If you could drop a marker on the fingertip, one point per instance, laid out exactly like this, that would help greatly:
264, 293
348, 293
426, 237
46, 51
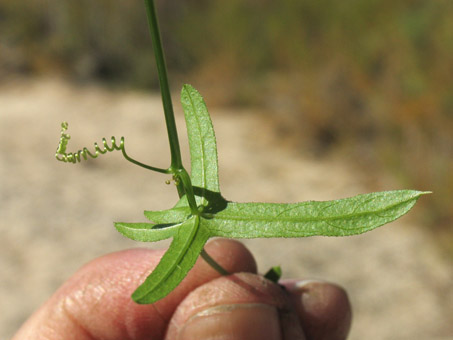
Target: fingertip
324, 309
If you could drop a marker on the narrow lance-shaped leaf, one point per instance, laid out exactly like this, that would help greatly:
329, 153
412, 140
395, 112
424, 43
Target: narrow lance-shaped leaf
202, 141
188, 241
349, 216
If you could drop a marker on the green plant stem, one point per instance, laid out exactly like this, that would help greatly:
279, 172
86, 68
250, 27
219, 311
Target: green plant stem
176, 161
176, 167
187, 185
213, 263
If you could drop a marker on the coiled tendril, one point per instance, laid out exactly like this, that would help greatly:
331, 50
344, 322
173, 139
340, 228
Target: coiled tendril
76, 157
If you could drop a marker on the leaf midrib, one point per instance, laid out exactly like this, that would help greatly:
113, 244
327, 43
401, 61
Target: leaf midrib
178, 259
222, 216
203, 151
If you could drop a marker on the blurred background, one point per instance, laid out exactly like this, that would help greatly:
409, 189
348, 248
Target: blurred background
369, 78
367, 84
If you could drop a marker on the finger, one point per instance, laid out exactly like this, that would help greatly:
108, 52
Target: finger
96, 304
240, 306
323, 308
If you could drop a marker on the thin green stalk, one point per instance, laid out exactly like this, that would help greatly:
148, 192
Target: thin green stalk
186, 183
149, 167
213, 263
176, 167
176, 161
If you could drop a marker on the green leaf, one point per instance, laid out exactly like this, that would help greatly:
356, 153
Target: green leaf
215, 216
274, 274
173, 215
147, 232
202, 143
180, 257
342, 217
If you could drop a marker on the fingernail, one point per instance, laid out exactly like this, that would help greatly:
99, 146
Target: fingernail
319, 297
233, 322
299, 286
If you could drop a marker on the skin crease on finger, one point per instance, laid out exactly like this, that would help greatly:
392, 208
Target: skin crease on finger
95, 303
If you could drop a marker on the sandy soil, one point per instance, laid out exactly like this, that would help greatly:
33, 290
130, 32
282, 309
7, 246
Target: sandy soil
55, 217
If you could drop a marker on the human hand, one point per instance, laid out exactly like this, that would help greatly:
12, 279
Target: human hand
95, 303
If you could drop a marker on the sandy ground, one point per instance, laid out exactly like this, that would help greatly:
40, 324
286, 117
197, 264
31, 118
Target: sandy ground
55, 217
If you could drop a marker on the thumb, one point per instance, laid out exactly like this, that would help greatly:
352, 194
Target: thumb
240, 306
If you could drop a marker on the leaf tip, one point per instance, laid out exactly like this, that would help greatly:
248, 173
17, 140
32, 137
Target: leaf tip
417, 194
421, 193
139, 298
142, 300
187, 87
